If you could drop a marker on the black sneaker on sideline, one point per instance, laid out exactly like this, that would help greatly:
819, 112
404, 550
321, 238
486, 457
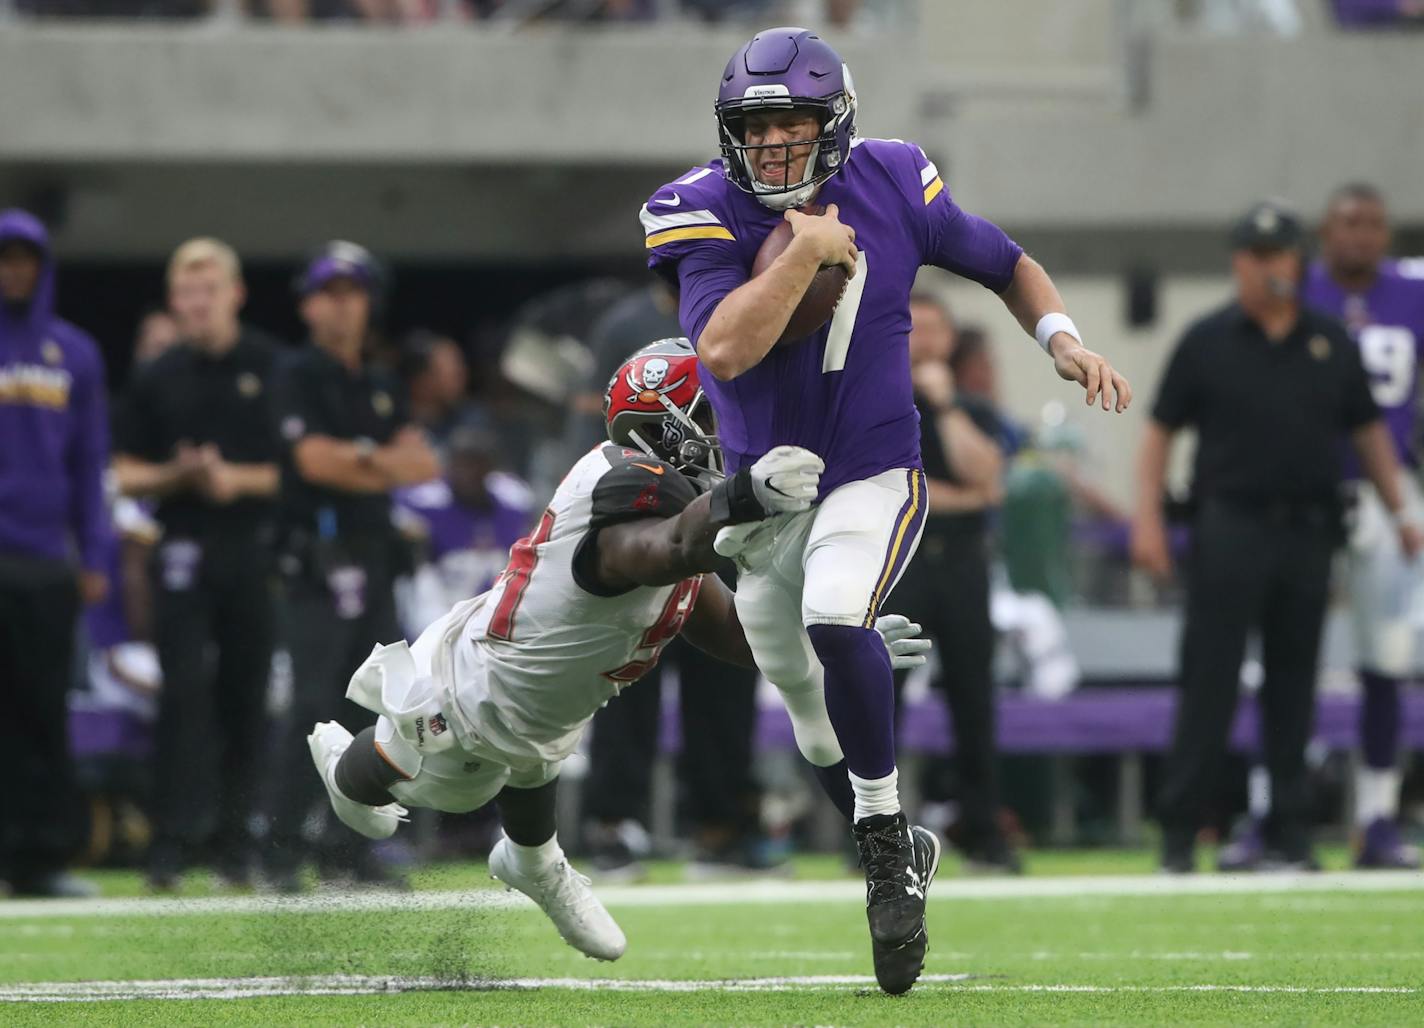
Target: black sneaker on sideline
900, 861
1279, 860
283, 881
53, 885
615, 850
1179, 855
993, 857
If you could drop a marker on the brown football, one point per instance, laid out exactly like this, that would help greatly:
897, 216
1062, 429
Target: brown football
821, 296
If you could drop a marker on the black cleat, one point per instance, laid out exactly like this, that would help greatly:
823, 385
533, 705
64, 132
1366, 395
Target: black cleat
53, 885
900, 861
994, 857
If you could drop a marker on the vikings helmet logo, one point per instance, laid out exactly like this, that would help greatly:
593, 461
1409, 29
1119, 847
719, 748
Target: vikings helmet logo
654, 384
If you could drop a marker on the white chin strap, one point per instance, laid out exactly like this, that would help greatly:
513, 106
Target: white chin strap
785, 201
779, 201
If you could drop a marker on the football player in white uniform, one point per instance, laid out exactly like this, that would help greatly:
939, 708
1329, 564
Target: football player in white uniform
495, 695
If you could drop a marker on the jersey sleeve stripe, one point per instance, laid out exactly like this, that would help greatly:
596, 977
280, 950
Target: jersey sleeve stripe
678, 234
675, 219
928, 174
933, 189
696, 176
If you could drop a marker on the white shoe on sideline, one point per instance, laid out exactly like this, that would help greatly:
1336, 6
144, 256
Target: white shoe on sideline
328, 741
566, 897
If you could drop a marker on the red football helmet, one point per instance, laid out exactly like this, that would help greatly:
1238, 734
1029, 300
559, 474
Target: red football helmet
655, 403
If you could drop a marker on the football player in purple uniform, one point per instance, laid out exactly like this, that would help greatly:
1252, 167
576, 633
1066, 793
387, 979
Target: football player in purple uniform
786, 114
1382, 303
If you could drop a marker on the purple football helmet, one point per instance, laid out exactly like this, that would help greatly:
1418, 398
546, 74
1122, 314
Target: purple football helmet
781, 69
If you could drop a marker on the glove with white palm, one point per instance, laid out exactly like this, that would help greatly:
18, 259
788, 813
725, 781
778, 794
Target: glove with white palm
784, 481
902, 641
748, 545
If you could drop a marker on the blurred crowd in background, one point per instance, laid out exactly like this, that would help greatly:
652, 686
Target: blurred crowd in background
837, 13
1281, 16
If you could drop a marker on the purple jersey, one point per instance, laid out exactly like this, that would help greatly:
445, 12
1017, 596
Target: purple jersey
469, 547
1387, 321
843, 393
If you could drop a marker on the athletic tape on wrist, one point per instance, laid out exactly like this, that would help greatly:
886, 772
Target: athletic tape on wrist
734, 500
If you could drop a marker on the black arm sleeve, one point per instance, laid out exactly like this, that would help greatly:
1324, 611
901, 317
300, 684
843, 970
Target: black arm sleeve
265, 444
137, 432
295, 411
1179, 392
640, 487
1358, 407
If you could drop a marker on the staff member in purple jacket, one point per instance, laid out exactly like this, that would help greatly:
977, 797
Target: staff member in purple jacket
54, 444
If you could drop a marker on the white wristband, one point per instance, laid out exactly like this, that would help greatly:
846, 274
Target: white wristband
1050, 325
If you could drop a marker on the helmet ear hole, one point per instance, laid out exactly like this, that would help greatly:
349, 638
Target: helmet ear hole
641, 438
704, 418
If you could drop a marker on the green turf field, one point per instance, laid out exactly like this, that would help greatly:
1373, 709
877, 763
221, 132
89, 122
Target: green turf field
1065, 945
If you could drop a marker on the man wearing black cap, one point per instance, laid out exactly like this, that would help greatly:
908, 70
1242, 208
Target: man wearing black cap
195, 434
348, 442
1270, 388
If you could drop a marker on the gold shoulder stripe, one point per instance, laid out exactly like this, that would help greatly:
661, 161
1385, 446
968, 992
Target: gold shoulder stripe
695, 232
932, 190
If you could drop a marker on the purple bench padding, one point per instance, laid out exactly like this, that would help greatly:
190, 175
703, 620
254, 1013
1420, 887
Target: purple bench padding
1091, 720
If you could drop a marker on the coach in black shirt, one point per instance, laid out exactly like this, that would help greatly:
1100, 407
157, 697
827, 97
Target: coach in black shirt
347, 443
946, 586
1271, 388
195, 433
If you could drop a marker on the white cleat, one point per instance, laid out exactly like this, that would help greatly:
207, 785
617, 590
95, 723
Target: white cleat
328, 741
565, 896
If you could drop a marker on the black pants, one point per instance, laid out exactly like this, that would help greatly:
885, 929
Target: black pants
327, 640
946, 590
214, 640
1249, 570
41, 821
718, 708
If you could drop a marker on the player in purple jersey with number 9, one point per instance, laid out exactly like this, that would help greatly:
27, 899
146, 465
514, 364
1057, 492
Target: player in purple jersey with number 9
812, 583
1382, 304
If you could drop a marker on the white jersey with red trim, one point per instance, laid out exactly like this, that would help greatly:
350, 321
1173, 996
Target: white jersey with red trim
545, 648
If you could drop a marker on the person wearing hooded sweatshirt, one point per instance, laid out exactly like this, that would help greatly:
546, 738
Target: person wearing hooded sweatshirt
54, 446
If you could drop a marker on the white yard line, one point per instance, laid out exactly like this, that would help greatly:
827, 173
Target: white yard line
357, 985
761, 893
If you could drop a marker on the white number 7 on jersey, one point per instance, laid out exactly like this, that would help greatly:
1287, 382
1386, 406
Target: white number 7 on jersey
843, 321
